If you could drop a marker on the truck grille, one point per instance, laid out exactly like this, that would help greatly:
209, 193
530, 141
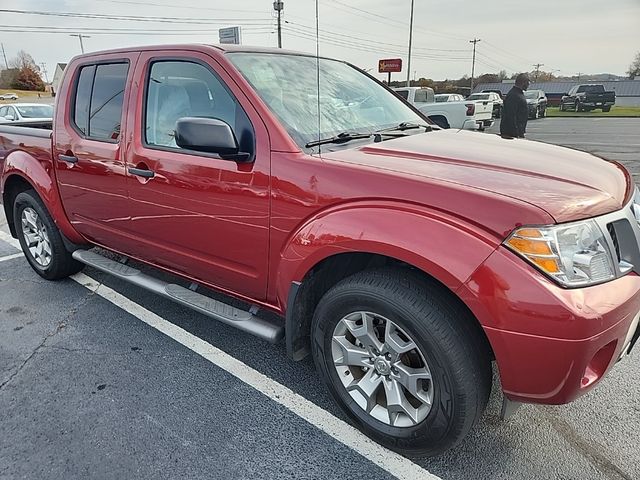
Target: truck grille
623, 235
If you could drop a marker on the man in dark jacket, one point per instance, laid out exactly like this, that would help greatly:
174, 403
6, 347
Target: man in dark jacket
514, 110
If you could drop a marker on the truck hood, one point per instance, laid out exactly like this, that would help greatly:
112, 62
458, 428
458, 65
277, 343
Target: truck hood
568, 184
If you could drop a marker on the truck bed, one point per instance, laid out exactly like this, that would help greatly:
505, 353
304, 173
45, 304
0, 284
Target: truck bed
34, 139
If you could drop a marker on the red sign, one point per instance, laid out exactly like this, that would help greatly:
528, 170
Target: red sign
390, 65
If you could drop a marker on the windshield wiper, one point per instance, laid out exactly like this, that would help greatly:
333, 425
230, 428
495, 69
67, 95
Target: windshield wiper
406, 126
343, 137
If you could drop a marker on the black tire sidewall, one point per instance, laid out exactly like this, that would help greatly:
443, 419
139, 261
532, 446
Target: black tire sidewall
61, 265
445, 424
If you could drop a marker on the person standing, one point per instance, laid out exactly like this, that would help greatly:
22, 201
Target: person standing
515, 112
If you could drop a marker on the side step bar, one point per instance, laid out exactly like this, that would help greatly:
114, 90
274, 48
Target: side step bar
210, 307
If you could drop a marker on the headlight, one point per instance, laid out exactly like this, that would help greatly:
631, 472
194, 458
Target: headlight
575, 255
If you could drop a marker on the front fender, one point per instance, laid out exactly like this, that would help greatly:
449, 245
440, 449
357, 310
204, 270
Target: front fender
37, 170
445, 247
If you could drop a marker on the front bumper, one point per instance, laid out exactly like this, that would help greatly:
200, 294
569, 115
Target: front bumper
551, 344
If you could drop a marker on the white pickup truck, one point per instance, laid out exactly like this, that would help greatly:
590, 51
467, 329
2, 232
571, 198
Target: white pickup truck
470, 115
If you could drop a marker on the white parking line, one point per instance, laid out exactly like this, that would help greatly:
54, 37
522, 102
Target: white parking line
10, 240
10, 257
392, 462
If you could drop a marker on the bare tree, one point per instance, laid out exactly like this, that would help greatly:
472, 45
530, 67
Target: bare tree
24, 60
634, 68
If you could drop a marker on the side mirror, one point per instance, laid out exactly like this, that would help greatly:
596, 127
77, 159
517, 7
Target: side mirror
209, 135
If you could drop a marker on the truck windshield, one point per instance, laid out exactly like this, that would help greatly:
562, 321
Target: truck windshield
349, 100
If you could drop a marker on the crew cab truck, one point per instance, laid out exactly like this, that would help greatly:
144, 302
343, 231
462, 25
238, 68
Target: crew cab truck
403, 257
587, 97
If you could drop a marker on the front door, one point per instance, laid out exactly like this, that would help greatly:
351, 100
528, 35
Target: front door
88, 147
191, 212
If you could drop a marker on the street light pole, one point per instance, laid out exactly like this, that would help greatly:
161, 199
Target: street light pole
473, 62
80, 37
278, 6
410, 41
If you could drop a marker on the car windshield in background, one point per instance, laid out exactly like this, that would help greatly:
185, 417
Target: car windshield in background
36, 111
531, 94
478, 97
350, 101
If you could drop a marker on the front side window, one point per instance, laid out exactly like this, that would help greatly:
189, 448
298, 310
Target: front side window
178, 89
348, 100
97, 109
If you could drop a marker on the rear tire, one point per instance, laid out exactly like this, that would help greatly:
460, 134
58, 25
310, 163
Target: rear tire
576, 107
40, 238
419, 313
562, 107
606, 109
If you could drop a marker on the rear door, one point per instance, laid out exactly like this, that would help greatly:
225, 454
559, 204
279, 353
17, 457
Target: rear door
198, 215
88, 146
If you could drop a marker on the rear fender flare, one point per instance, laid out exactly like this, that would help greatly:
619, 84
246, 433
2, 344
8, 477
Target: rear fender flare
39, 174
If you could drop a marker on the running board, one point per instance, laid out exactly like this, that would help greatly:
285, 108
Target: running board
240, 319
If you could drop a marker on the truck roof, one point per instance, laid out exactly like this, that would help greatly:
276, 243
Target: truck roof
198, 46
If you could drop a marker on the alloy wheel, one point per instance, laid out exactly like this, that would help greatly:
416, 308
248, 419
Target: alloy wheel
36, 237
382, 369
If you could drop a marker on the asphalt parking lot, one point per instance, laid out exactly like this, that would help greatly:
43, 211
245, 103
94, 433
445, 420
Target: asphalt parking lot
99, 379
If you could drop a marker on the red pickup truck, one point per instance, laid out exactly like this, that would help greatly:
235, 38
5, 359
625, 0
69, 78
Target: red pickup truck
405, 258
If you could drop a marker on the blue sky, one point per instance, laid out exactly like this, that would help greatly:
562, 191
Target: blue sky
568, 36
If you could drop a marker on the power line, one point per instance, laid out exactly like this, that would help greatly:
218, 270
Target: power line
378, 43
135, 18
133, 32
366, 48
97, 30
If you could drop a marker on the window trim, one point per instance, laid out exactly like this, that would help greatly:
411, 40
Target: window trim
76, 81
145, 94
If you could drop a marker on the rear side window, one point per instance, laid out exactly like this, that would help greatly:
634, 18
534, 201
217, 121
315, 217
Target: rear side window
98, 101
83, 98
403, 93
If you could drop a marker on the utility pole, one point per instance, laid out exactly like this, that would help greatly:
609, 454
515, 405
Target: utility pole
537, 65
80, 37
579, 74
410, 41
278, 6
473, 62
44, 70
6, 64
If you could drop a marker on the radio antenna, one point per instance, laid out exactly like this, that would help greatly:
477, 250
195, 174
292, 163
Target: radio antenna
318, 67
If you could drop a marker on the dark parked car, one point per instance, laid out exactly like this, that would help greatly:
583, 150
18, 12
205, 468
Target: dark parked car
584, 98
537, 103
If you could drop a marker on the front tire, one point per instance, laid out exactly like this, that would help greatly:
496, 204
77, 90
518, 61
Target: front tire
402, 359
40, 239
